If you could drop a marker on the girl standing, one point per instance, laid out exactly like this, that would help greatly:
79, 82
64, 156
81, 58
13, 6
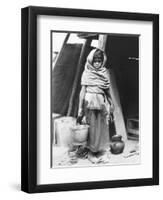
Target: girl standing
95, 103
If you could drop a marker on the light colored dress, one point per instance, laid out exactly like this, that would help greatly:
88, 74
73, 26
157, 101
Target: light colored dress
96, 112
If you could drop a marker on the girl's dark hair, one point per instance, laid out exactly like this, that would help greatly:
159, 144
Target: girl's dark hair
98, 54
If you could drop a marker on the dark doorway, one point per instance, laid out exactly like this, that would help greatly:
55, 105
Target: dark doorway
123, 58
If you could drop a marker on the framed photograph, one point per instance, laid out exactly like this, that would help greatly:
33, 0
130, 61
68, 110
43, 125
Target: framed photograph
90, 99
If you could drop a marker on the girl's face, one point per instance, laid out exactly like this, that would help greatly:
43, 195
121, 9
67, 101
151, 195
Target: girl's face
97, 63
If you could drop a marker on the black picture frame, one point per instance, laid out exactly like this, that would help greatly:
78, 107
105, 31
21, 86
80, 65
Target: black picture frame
29, 98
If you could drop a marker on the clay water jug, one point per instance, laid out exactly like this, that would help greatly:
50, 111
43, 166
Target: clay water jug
117, 145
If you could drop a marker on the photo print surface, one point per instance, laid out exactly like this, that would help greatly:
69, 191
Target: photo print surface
94, 99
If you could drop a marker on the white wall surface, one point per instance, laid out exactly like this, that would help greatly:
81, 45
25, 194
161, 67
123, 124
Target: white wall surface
10, 86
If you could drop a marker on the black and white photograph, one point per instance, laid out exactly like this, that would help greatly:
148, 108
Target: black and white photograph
90, 114
94, 99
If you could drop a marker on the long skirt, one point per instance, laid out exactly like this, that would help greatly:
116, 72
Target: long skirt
98, 137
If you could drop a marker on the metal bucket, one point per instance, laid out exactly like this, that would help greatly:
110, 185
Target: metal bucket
80, 133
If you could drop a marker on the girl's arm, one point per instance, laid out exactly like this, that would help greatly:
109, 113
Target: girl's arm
81, 100
108, 95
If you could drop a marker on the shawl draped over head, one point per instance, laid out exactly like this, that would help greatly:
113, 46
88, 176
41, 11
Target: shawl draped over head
95, 77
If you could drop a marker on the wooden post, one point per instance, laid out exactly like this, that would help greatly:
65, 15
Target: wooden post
102, 42
118, 114
78, 71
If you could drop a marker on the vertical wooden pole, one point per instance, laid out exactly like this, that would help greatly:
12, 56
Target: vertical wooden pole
102, 41
118, 114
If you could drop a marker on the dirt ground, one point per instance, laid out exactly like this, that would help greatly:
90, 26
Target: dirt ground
60, 157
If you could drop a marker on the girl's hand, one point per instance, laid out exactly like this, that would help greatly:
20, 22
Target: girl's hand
112, 108
79, 120
80, 116
111, 117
